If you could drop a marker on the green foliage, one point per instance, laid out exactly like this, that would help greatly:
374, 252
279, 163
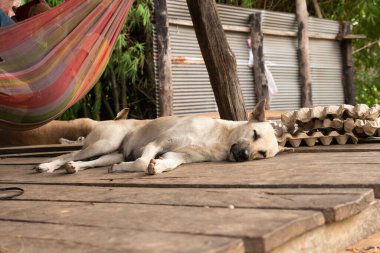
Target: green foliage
367, 54
54, 2
365, 17
128, 79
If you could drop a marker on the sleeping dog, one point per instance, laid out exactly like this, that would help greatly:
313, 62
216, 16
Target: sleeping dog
156, 146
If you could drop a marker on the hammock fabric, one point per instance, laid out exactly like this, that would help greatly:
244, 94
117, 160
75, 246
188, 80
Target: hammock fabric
50, 61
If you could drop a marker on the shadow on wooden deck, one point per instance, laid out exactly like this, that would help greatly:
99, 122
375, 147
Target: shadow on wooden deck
318, 199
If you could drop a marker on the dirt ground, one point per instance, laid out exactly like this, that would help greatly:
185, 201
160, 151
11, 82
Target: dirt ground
368, 245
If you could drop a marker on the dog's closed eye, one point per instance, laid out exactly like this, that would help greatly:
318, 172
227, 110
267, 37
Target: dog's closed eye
263, 153
255, 135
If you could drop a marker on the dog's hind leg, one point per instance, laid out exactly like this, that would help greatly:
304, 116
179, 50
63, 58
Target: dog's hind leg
167, 161
105, 160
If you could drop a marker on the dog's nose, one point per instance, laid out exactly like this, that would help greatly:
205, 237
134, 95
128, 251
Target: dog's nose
240, 153
243, 155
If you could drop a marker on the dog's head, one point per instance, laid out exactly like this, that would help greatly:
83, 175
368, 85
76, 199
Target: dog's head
254, 140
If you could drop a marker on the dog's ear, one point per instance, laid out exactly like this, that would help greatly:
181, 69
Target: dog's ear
123, 114
258, 114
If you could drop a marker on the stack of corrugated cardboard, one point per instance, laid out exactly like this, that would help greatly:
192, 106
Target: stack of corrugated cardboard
327, 124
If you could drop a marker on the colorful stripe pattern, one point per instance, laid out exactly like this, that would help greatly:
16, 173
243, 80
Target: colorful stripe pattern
50, 61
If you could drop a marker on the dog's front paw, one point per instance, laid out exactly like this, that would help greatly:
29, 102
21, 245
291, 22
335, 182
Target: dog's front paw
43, 167
152, 167
71, 167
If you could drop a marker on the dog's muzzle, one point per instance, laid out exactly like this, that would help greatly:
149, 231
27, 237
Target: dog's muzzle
239, 153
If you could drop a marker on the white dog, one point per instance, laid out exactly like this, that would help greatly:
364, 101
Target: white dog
155, 146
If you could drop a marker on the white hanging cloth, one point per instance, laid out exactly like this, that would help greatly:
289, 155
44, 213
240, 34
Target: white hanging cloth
272, 87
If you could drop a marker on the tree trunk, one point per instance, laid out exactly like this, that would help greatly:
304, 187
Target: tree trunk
219, 59
303, 53
164, 64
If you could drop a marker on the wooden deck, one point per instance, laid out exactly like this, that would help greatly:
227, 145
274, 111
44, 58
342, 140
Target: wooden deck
319, 199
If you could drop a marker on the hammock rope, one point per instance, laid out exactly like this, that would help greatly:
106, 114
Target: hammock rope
50, 61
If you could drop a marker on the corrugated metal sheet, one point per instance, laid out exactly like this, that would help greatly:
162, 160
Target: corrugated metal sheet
191, 86
281, 59
318, 25
279, 21
229, 15
326, 70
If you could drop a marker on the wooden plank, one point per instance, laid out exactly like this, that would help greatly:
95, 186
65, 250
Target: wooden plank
314, 35
38, 148
294, 170
339, 148
262, 230
336, 169
245, 29
38, 154
42, 237
323, 36
233, 28
34, 154
335, 204
354, 36
22, 161
337, 236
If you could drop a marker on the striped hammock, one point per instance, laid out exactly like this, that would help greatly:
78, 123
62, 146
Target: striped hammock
50, 61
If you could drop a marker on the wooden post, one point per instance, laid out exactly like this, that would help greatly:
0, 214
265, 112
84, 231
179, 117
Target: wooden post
257, 38
348, 65
219, 59
303, 53
164, 66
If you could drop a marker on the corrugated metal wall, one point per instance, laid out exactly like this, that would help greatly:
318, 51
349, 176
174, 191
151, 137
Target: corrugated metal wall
326, 64
192, 92
191, 86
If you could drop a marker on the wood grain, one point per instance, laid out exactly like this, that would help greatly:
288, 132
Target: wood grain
43, 237
335, 204
261, 230
294, 170
256, 206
